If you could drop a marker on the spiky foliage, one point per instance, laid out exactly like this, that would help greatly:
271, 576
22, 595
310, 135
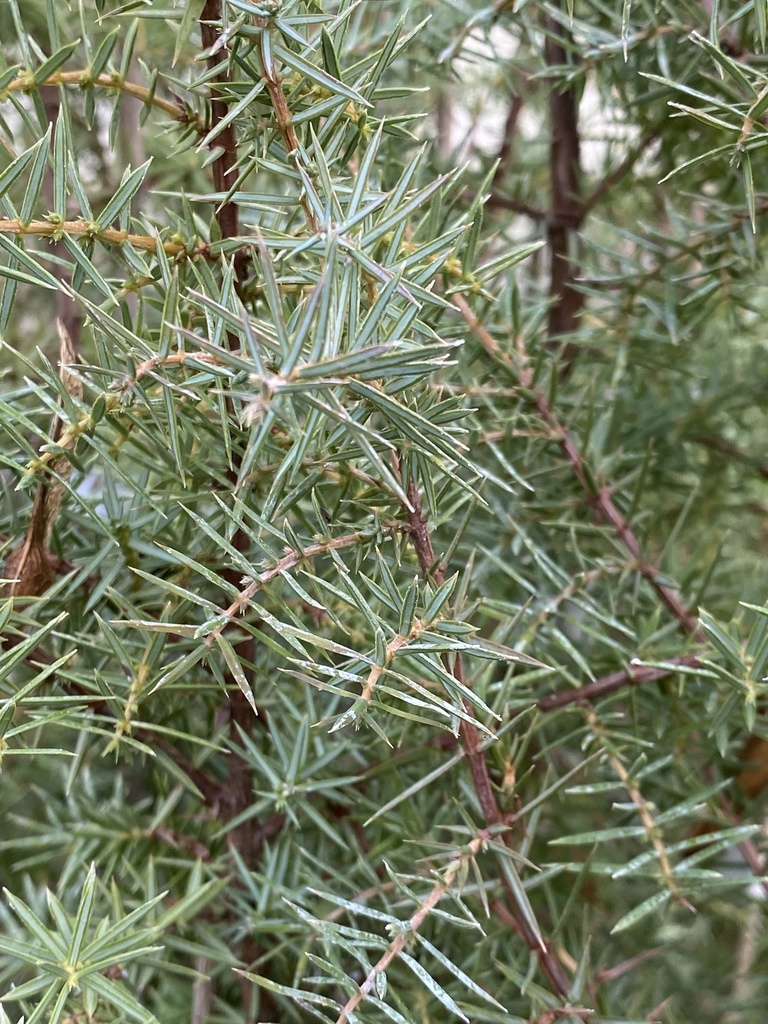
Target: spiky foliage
354, 662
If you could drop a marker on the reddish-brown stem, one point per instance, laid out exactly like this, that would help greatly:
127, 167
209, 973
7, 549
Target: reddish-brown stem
227, 215
288, 561
180, 841
755, 860
239, 712
602, 501
420, 535
507, 145
606, 511
502, 202
470, 740
288, 132
612, 178
615, 681
600, 496
566, 210
731, 452
247, 837
417, 919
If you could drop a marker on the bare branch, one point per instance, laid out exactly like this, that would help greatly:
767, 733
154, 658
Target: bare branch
223, 166
613, 682
566, 211
618, 173
507, 145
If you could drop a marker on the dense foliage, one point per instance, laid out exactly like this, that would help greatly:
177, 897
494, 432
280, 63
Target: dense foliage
383, 510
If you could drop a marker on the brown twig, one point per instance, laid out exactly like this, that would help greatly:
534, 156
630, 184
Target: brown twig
600, 496
238, 708
417, 919
566, 210
285, 125
730, 451
443, 124
644, 811
29, 565
615, 681
619, 172
502, 202
227, 215
603, 503
471, 742
180, 841
87, 229
506, 150
84, 80
608, 974
288, 561
754, 859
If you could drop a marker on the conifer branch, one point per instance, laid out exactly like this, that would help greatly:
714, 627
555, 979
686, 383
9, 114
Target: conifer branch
83, 79
55, 228
471, 741
416, 920
600, 496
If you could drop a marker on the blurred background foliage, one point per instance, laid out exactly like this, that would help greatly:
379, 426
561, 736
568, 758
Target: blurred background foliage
384, 487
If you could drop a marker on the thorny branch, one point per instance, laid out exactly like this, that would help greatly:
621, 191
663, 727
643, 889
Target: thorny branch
643, 810
612, 178
415, 922
631, 676
288, 561
472, 744
239, 706
283, 116
84, 80
601, 499
87, 229
29, 565
417, 919
600, 496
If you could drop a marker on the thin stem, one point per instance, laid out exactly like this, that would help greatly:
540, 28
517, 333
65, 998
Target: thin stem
615, 681
227, 215
89, 229
600, 496
505, 153
643, 809
29, 565
471, 741
566, 211
730, 451
284, 120
415, 922
502, 202
618, 173
84, 80
289, 561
